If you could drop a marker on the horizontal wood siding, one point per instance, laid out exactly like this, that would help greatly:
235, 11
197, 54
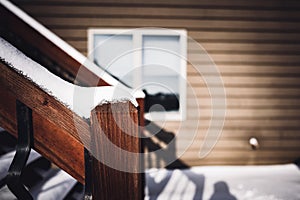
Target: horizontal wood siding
255, 45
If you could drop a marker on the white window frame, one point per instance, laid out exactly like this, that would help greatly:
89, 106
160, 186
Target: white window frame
137, 35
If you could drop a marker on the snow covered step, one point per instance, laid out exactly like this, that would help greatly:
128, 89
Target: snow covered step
35, 172
77, 192
270, 182
5, 194
7, 158
56, 186
51, 183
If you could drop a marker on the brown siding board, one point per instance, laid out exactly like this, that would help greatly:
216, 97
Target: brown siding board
250, 103
236, 58
241, 47
242, 81
169, 23
250, 70
243, 144
274, 134
159, 12
246, 153
236, 161
267, 4
242, 125
218, 36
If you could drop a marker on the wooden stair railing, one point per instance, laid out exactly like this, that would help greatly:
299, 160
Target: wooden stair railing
13, 28
57, 137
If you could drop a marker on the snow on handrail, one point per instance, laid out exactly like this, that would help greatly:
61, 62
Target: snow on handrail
80, 100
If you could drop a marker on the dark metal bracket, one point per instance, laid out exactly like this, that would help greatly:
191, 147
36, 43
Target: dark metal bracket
24, 145
88, 175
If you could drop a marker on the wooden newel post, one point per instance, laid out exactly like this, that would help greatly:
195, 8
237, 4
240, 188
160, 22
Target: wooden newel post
115, 144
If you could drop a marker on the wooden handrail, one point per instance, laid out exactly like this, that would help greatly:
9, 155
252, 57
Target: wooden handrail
56, 136
53, 124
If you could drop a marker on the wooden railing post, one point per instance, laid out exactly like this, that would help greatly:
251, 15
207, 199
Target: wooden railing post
117, 122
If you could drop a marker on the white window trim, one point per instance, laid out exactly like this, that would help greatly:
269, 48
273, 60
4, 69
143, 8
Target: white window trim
137, 41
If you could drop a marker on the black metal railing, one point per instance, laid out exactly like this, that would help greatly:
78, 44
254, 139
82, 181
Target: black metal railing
24, 145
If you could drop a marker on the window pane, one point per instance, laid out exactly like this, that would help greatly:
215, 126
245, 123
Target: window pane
113, 53
161, 71
161, 55
161, 64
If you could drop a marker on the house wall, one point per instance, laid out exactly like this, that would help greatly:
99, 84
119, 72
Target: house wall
255, 45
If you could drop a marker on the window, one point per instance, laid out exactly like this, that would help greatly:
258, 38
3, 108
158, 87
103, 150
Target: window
153, 60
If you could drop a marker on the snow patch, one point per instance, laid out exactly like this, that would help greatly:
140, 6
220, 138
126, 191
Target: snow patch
269, 182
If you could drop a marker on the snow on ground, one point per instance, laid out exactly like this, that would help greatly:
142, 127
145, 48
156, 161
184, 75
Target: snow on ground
55, 188
273, 182
80, 99
6, 160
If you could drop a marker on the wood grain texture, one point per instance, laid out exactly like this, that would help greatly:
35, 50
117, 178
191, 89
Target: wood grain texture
141, 111
113, 121
55, 134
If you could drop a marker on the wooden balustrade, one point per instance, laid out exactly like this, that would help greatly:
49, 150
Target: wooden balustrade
56, 136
